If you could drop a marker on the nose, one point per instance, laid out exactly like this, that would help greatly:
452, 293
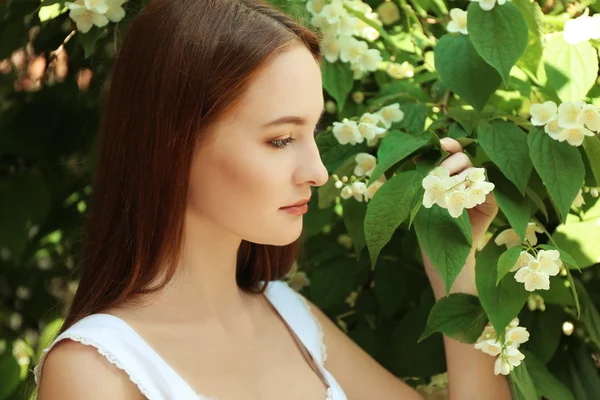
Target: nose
311, 168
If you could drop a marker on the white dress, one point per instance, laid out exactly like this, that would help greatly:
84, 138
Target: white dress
157, 380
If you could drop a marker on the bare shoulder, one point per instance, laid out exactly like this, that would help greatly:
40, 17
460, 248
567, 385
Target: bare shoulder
73, 370
359, 375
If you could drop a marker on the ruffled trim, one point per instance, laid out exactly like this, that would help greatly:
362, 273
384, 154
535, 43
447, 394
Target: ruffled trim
37, 371
323, 348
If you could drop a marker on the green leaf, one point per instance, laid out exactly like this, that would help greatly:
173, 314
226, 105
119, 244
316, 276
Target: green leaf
538, 202
415, 116
506, 145
501, 302
464, 71
507, 261
514, 206
333, 154
458, 316
88, 40
337, 81
393, 281
589, 313
499, 35
571, 69
545, 327
559, 165
533, 16
354, 217
24, 201
47, 336
395, 147
332, 282
467, 118
10, 372
521, 384
559, 293
390, 206
591, 145
444, 242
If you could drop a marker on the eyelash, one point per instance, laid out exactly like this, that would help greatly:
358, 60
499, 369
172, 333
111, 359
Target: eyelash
283, 143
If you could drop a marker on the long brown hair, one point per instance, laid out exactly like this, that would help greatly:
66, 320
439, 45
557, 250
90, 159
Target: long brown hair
182, 65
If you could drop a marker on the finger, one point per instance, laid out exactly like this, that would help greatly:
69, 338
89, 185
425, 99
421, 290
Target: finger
451, 145
457, 163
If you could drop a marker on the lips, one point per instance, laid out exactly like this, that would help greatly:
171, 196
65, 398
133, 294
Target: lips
298, 203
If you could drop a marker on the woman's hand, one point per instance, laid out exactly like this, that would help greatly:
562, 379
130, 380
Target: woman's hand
480, 217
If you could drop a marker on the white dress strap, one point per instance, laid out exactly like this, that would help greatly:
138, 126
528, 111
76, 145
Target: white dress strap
122, 347
296, 312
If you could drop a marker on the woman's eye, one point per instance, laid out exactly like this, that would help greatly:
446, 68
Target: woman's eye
282, 143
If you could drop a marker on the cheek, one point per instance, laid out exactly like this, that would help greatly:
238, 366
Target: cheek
237, 185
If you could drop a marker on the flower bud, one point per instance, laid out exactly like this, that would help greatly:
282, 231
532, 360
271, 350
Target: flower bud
330, 107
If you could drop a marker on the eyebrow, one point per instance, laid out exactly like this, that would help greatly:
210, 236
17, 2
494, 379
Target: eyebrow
291, 119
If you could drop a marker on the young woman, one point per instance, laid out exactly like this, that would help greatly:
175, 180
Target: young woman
207, 139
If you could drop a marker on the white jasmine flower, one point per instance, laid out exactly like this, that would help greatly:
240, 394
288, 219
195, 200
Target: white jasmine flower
388, 13
486, 5
346, 192
352, 49
536, 273
400, 71
574, 136
582, 28
370, 59
508, 354
516, 336
491, 347
370, 131
508, 360
333, 11
541, 114
435, 190
522, 261
391, 114
568, 113
458, 21
97, 6
331, 48
115, 11
370, 118
374, 187
347, 25
510, 238
358, 190
550, 261
85, 18
365, 164
347, 132
456, 201
315, 6
476, 193
553, 129
590, 117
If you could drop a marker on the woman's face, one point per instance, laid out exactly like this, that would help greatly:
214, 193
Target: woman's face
240, 179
